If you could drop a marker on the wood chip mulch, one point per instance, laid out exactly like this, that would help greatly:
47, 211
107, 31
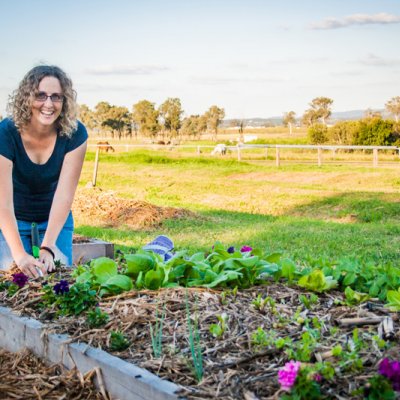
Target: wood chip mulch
234, 368
24, 376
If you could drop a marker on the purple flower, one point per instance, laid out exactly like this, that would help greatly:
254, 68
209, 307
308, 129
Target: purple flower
20, 279
288, 374
231, 250
61, 287
246, 249
317, 377
391, 370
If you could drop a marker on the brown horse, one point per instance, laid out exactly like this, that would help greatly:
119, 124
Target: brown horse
105, 146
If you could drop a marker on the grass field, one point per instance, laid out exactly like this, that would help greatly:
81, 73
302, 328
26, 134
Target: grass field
308, 212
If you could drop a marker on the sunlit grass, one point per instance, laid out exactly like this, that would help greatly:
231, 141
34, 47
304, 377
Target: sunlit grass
333, 210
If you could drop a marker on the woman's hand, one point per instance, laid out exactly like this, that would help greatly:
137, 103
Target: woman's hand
30, 266
46, 258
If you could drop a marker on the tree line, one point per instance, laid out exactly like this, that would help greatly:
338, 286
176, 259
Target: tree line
372, 130
165, 122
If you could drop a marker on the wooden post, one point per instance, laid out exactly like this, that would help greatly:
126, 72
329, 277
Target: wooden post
278, 158
319, 156
239, 153
198, 150
375, 158
96, 165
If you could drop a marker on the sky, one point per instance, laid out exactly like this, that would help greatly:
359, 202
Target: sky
254, 58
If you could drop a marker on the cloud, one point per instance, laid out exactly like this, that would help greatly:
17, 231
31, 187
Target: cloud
126, 70
373, 60
356, 19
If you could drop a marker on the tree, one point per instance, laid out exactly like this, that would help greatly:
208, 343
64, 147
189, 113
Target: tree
118, 119
190, 126
289, 119
214, 116
309, 118
87, 116
101, 113
320, 110
393, 106
369, 113
171, 112
322, 107
146, 117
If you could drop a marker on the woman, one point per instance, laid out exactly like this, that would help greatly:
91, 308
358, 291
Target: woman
42, 148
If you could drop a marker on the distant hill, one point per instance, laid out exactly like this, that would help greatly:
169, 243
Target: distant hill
274, 121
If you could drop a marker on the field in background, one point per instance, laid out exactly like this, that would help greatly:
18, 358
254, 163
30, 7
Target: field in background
306, 211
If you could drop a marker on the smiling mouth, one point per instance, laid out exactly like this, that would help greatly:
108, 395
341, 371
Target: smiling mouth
47, 113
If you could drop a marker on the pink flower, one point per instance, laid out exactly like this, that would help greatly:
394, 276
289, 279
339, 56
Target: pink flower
245, 249
288, 374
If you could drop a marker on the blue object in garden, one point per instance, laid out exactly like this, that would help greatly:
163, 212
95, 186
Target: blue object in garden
162, 245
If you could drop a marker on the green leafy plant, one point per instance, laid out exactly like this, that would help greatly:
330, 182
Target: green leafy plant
96, 318
304, 348
308, 301
78, 298
118, 341
378, 388
218, 330
260, 338
353, 297
10, 287
102, 274
316, 281
259, 303
393, 298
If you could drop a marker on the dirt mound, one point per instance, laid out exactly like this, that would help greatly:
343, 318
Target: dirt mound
104, 208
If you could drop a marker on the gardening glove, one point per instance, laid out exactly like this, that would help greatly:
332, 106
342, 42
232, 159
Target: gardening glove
161, 245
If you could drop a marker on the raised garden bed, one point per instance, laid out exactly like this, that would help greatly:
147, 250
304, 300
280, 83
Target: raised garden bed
84, 249
228, 343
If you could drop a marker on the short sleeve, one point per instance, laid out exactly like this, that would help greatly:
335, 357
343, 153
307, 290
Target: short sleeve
78, 137
7, 148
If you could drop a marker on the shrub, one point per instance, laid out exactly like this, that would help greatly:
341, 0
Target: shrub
317, 134
375, 131
344, 132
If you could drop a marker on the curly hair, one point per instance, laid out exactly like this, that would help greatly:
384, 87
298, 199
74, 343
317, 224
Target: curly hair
20, 101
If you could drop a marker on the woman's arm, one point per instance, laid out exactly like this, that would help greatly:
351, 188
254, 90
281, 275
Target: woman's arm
63, 197
8, 223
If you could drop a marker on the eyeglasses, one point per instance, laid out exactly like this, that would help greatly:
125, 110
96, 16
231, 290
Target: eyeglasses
54, 97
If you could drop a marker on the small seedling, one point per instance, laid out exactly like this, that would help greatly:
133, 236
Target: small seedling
96, 318
218, 330
156, 334
118, 341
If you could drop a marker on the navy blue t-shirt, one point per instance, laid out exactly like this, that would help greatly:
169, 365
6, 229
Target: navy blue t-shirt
35, 184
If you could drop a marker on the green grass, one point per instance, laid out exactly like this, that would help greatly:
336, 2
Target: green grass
335, 211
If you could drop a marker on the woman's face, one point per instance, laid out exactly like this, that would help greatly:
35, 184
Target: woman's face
47, 103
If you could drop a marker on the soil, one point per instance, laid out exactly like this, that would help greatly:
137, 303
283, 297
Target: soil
234, 366
108, 210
